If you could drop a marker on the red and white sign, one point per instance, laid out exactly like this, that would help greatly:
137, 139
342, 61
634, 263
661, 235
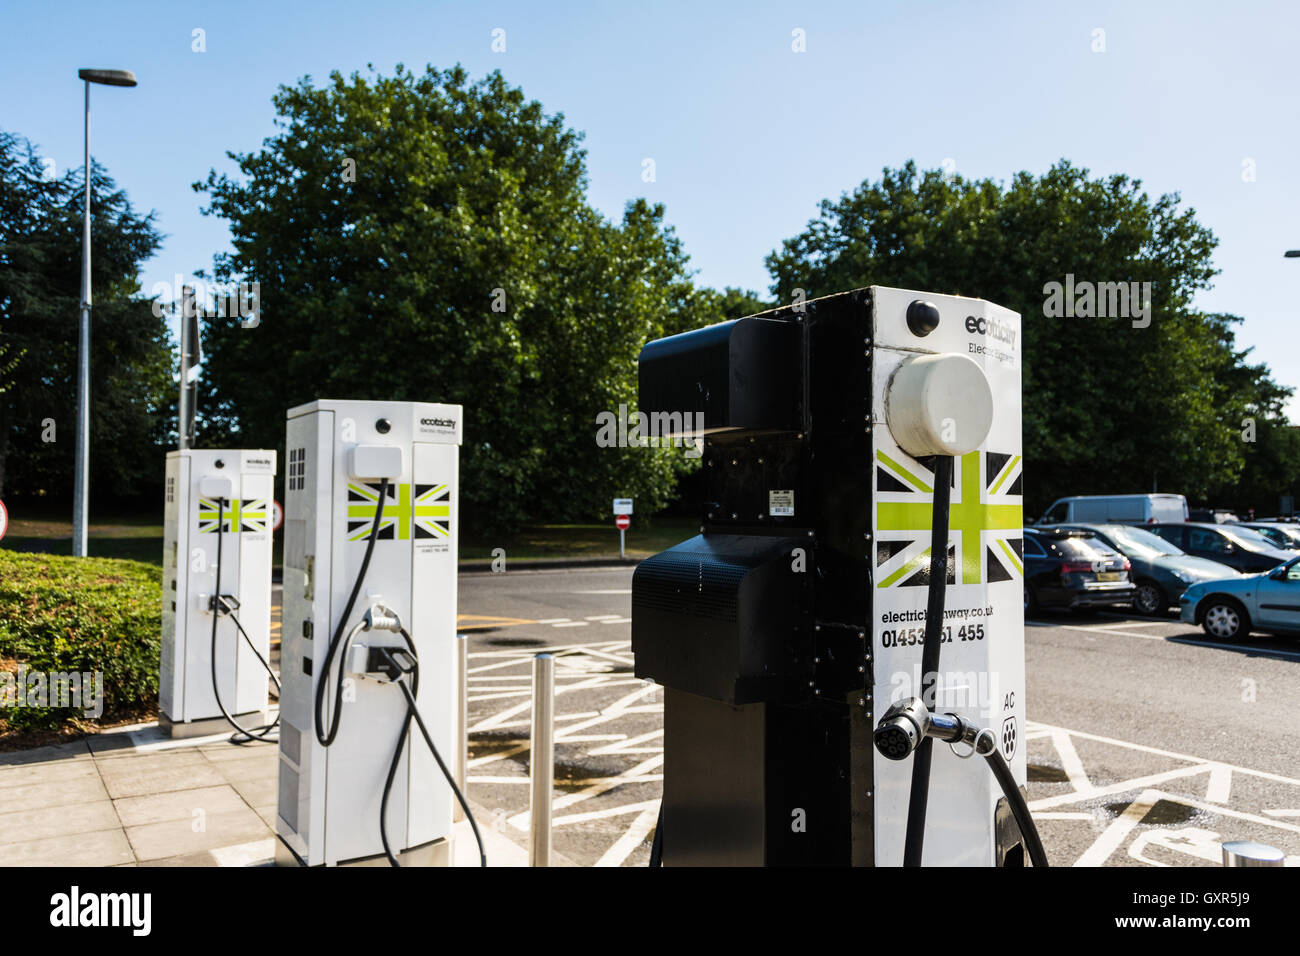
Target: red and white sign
279, 514
4, 519
622, 522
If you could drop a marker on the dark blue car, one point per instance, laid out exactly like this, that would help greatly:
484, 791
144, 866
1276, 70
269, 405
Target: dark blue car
1161, 570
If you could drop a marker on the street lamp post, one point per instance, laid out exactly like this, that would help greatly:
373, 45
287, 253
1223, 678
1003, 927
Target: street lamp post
81, 476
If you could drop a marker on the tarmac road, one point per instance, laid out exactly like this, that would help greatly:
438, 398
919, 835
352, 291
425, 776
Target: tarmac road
1148, 743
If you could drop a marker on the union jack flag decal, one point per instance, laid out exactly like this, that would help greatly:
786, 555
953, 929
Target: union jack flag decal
240, 515
420, 510
985, 520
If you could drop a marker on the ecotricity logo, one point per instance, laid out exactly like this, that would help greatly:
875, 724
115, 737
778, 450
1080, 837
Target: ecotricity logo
76, 909
438, 422
998, 331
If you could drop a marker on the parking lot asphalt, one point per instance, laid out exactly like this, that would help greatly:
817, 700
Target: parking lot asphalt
1148, 743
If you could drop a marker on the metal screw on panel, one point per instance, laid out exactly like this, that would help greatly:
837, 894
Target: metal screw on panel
862, 702
733, 516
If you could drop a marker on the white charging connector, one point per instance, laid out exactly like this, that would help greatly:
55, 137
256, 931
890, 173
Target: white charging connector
939, 405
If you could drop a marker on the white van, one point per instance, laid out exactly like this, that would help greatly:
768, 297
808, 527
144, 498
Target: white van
1116, 509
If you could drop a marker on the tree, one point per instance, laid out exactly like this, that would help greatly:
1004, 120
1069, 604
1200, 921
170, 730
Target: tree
40, 283
1110, 405
421, 237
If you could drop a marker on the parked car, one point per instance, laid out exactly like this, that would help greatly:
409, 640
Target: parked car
1115, 509
1069, 568
1229, 609
1160, 571
1284, 536
1241, 548
1213, 515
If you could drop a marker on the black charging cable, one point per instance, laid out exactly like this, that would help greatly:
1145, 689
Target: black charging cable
226, 604
327, 736
920, 789
395, 671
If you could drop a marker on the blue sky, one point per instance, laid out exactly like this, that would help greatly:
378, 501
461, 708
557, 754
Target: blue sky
747, 135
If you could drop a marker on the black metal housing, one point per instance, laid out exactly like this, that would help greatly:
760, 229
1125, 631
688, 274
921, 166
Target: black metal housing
759, 626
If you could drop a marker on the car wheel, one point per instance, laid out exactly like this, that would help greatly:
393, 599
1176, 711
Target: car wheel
1225, 619
1031, 602
1149, 598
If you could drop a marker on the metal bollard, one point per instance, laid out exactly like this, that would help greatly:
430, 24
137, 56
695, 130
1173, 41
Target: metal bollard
542, 760
460, 758
1250, 853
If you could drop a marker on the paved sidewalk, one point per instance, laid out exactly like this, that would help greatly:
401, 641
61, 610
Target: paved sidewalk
136, 798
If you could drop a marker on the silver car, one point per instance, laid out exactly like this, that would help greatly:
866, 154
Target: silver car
1230, 608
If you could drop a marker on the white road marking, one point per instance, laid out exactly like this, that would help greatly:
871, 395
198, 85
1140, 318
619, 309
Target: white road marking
498, 720
1220, 786
632, 838
1070, 761
571, 624
1205, 763
601, 617
1113, 837
552, 620
607, 812
1177, 638
1282, 813
619, 620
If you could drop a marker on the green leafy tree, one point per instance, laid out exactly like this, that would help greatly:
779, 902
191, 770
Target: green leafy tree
1109, 407
423, 237
131, 362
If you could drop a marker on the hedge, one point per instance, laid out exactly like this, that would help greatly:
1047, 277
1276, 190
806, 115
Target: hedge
62, 614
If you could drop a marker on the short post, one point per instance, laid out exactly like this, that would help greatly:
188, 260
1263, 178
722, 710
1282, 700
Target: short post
1250, 853
460, 761
542, 762
622, 550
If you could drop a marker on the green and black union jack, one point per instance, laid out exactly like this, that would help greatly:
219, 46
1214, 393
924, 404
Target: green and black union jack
420, 510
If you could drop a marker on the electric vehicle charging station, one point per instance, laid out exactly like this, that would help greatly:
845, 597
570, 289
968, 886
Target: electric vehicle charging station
217, 539
800, 719
371, 532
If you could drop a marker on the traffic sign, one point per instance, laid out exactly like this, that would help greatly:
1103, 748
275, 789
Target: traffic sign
622, 506
622, 522
4, 519
279, 514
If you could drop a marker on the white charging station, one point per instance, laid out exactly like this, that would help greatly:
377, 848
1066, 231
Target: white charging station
211, 494
953, 390
340, 455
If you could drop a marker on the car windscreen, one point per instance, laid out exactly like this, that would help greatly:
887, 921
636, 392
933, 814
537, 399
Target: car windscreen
1280, 535
1078, 549
1248, 539
1142, 544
